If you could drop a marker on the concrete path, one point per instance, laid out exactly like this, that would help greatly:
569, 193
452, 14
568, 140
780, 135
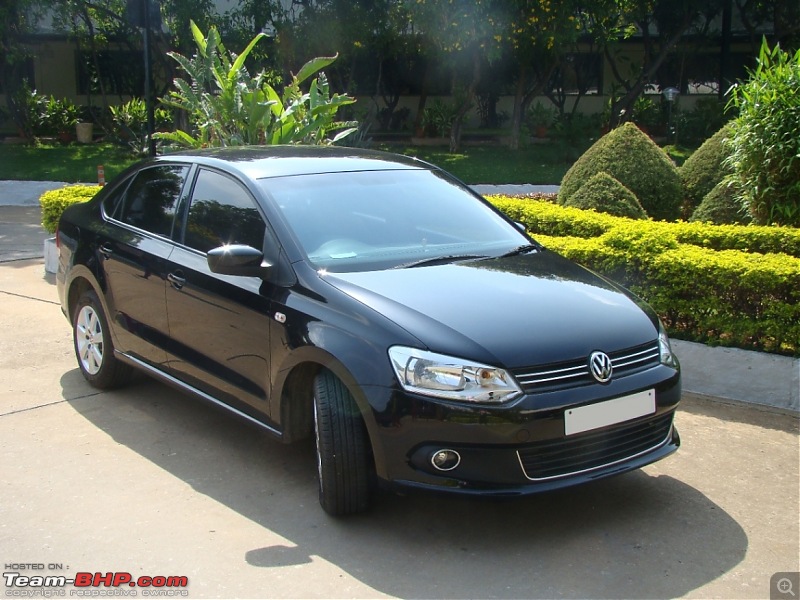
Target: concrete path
729, 374
148, 481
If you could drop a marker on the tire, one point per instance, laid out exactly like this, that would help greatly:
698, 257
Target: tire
343, 456
94, 349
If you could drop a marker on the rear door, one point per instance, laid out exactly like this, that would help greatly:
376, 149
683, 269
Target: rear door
134, 246
219, 324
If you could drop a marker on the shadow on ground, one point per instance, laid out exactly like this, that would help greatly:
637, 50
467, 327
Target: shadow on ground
636, 535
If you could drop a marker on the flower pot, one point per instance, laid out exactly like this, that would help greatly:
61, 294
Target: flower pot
84, 132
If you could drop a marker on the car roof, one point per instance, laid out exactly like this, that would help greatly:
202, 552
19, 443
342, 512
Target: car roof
259, 162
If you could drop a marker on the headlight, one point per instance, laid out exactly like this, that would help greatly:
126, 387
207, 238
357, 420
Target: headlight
664, 348
452, 378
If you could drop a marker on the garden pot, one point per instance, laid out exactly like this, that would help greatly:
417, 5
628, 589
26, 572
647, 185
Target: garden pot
50, 255
84, 132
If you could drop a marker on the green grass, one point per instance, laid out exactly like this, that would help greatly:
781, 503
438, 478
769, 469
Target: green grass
540, 164
72, 163
537, 164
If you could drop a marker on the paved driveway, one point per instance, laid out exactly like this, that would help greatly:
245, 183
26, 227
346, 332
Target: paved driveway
149, 482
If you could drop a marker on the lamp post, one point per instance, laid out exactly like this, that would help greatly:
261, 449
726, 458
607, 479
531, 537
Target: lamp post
670, 95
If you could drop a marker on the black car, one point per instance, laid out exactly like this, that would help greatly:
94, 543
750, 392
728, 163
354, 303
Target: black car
375, 303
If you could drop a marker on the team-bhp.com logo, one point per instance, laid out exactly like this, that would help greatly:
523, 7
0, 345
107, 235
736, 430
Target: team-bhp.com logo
158, 585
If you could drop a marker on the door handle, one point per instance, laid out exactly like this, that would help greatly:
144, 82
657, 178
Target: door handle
106, 250
176, 280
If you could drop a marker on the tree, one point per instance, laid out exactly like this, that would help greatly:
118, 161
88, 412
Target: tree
661, 24
465, 35
17, 18
539, 33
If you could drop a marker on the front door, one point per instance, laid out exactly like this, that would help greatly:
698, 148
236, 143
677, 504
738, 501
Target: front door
219, 324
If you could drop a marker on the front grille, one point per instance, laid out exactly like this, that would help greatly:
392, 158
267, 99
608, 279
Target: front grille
565, 375
591, 450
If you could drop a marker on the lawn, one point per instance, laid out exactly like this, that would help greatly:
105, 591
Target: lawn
72, 163
537, 164
540, 164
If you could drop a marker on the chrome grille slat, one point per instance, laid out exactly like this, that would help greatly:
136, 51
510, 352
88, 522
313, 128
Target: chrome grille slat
574, 373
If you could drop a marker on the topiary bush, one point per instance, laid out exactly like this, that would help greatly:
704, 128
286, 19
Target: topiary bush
636, 162
704, 169
54, 202
605, 194
721, 206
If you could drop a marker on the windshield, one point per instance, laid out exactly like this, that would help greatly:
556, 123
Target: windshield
369, 220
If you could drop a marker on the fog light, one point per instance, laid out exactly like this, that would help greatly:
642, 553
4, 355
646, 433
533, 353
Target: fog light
445, 460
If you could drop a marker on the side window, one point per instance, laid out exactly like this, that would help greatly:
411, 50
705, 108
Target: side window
222, 212
151, 198
112, 204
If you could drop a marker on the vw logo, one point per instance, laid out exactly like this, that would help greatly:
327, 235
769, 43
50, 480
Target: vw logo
600, 366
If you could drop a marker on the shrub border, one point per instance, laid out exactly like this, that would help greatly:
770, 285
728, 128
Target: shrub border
724, 285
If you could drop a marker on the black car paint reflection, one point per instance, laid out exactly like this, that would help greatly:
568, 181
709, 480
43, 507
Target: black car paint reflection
275, 282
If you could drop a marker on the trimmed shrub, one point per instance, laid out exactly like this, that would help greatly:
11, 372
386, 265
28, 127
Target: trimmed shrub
729, 298
730, 285
605, 194
704, 169
545, 218
636, 162
721, 206
54, 202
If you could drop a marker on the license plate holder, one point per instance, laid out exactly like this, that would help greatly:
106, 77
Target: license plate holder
609, 412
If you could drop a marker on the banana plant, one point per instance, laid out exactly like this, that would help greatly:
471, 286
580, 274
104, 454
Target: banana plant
229, 107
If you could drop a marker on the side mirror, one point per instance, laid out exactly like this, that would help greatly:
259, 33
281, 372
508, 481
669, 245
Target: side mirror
237, 259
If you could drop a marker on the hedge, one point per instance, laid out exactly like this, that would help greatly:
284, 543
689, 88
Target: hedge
54, 202
546, 218
730, 297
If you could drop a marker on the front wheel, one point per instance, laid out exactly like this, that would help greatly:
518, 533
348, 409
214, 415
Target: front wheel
93, 346
343, 457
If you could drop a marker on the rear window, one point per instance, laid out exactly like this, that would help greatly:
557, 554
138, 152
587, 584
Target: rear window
149, 202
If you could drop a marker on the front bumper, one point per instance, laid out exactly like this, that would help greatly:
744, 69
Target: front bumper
522, 448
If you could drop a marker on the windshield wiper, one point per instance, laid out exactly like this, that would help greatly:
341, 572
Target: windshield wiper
524, 249
434, 260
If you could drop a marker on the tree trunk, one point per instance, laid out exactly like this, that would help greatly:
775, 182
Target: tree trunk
466, 104
423, 99
626, 101
517, 114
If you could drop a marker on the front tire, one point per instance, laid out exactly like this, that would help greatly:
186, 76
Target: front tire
343, 457
93, 346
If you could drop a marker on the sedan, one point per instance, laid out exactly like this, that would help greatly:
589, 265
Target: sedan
373, 304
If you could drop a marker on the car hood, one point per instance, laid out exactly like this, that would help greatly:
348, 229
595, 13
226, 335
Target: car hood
516, 311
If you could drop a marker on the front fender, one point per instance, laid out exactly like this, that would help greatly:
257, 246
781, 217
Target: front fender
352, 359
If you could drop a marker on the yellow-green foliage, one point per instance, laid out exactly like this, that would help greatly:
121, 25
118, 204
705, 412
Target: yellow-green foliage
54, 202
605, 194
546, 218
704, 169
730, 285
631, 158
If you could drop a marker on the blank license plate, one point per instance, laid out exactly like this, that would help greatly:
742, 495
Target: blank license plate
618, 410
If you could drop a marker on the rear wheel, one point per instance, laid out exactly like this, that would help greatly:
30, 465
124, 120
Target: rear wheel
343, 457
93, 346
